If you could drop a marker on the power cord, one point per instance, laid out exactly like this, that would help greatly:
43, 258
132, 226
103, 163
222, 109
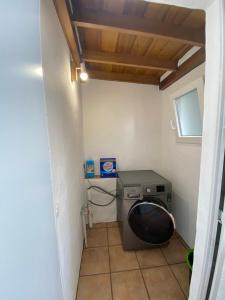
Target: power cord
103, 191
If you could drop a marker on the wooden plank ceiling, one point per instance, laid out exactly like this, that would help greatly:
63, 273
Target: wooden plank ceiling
137, 41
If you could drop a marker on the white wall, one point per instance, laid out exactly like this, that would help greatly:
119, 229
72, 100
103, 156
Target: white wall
132, 123
122, 120
64, 115
28, 251
180, 163
106, 213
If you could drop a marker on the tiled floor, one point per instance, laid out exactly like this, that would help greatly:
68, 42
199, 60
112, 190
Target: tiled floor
110, 273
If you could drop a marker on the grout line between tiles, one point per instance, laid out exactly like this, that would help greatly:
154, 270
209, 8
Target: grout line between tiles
127, 270
95, 274
112, 226
153, 267
169, 265
174, 263
164, 256
142, 276
110, 275
177, 281
120, 242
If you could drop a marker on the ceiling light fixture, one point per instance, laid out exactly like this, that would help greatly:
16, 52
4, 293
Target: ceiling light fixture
83, 73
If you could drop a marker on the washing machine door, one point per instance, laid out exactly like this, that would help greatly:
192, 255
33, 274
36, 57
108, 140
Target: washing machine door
151, 222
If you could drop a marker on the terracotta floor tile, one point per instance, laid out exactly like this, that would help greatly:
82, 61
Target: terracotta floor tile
95, 261
121, 260
95, 287
174, 252
161, 284
114, 236
112, 224
97, 237
151, 258
128, 285
181, 272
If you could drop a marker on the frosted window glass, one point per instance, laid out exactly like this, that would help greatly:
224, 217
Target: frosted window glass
188, 114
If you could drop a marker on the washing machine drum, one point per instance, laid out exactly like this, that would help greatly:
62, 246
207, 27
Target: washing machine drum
151, 221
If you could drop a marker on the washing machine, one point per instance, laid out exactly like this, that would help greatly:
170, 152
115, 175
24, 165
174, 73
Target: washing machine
144, 209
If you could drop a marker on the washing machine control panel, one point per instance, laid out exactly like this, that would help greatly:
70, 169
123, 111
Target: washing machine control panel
148, 190
137, 192
156, 189
132, 192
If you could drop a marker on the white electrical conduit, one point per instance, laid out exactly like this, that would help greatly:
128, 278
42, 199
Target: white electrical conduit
90, 213
83, 216
86, 210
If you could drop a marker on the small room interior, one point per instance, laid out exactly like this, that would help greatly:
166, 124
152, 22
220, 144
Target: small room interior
121, 79
140, 135
129, 113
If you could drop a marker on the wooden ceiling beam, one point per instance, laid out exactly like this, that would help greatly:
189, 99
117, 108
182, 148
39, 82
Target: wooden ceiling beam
194, 61
127, 60
88, 18
64, 18
126, 77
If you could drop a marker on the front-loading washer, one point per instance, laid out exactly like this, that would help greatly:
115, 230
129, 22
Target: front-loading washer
144, 209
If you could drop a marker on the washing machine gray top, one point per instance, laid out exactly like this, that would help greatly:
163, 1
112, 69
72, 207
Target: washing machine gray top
141, 177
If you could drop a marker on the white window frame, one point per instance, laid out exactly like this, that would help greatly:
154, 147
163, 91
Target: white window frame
197, 84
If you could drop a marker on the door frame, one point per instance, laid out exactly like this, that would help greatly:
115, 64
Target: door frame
216, 289
212, 154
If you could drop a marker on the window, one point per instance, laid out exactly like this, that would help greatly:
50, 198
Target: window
188, 104
188, 114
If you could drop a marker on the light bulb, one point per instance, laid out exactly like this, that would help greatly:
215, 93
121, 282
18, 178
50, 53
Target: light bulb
84, 76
